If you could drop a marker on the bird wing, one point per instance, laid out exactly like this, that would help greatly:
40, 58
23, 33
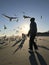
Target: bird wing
13, 17
26, 16
5, 15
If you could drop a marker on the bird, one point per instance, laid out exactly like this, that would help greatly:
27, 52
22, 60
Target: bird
10, 18
17, 20
19, 28
26, 16
5, 27
17, 31
41, 17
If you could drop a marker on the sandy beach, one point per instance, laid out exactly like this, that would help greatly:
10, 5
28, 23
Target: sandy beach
17, 53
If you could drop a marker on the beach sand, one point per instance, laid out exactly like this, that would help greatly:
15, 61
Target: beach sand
18, 54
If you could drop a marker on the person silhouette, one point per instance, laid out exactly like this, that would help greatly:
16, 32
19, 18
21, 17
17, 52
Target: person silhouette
32, 33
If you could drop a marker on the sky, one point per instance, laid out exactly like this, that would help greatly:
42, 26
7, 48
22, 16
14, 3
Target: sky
18, 8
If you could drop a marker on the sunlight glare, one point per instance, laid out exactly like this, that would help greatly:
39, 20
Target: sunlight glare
25, 28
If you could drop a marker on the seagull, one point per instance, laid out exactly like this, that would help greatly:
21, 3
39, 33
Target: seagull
17, 31
17, 20
5, 27
10, 18
26, 16
41, 17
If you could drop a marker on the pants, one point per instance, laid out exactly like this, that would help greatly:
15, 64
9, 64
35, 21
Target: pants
32, 43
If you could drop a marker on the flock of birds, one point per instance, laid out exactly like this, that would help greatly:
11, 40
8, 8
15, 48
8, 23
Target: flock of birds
14, 18
10, 18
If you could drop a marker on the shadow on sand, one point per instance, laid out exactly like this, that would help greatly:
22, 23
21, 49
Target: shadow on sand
16, 42
20, 46
43, 47
3, 46
43, 40
33, 60
41, 59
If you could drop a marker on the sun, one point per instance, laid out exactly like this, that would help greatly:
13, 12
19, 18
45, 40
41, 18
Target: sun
25, 28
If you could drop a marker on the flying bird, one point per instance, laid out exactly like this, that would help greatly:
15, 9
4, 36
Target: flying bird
17, 31
41, 17
17, 20
26, 16
20, 28
10, 18
5, 27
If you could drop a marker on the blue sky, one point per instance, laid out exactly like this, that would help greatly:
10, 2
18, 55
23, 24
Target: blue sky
33, 8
